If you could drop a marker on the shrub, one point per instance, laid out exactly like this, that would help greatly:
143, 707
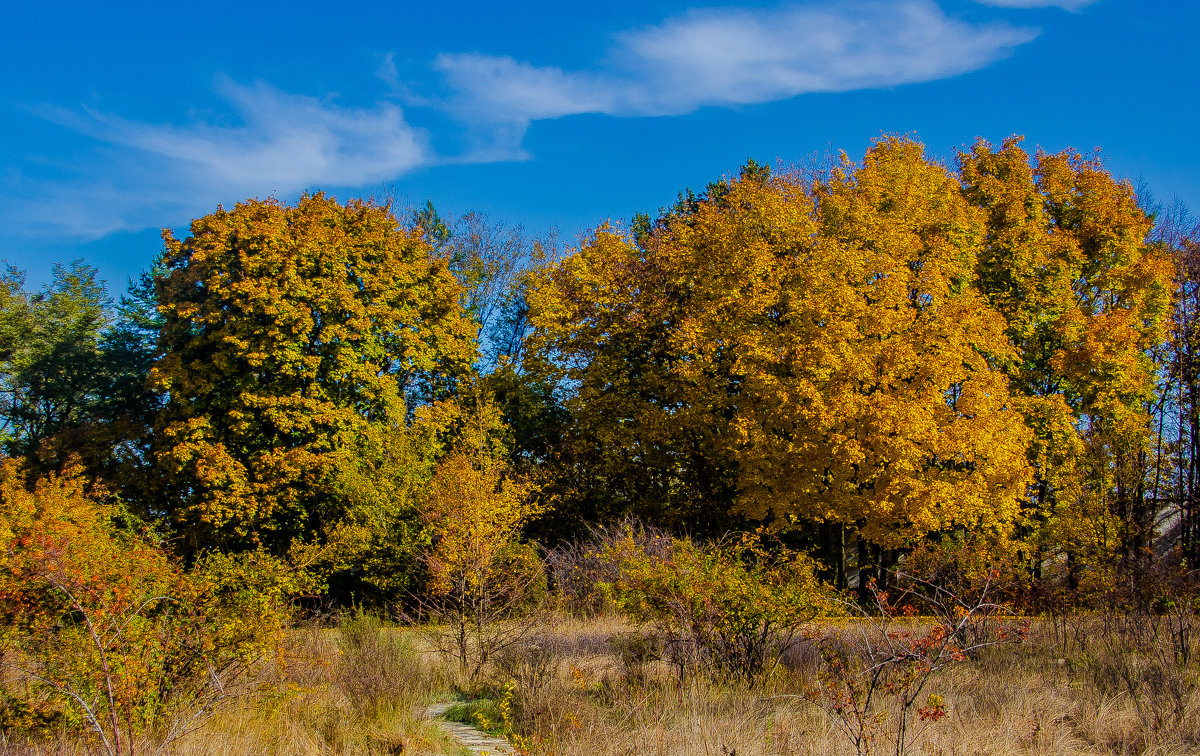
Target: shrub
957, 578
892, 654
731, 608
106, 631
526, 673
578, 569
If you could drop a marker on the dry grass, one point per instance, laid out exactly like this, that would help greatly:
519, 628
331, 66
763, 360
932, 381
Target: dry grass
361, 690
356, 690
1024, 699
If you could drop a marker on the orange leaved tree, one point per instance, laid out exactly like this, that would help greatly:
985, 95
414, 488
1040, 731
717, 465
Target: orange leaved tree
104, 629
817, 348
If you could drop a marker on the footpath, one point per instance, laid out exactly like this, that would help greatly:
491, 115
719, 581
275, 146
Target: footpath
476, 741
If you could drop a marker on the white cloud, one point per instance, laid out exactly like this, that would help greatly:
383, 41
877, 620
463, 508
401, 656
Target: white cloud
499, 85
1067, 5
285, 142
145, 175
81, 210
736, 57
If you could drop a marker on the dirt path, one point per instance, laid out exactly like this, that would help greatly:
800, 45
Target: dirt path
478, 742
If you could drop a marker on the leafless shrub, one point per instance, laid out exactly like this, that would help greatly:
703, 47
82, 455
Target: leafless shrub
878, 673
529, 669
474, 621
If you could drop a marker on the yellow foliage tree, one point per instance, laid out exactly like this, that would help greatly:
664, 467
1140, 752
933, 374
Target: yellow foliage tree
287, 332
480, 574
1086, 301
606, 323
877, 400
825, 344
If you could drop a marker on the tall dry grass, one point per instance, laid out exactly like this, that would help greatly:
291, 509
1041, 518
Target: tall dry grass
588, 687
358, 689
589, 696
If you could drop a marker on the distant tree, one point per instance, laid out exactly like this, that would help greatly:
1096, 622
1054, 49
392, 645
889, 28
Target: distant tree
1177, 232
129, 348
430, 224
115, 444
51, 378
73, 377
491, 260
494, 262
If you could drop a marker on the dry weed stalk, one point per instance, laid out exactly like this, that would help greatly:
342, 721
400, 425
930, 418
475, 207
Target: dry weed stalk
893, 656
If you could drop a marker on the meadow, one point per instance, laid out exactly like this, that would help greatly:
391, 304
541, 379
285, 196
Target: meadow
574, 687
568, 679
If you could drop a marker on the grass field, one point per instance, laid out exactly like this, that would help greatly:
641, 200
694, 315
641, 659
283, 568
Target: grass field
592, 687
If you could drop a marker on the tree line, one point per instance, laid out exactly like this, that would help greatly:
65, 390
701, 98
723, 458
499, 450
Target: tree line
862, 358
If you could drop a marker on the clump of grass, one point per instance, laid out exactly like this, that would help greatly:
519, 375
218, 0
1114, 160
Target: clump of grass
483, 713
379, 670
357, 689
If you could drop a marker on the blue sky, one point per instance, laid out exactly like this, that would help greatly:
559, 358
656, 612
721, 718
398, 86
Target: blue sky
118, 121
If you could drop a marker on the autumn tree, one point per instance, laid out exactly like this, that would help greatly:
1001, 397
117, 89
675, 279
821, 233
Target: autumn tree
1085, 300
288, 332
818, 353
868, 390
1177, 233
480, 575
636, 434
383, 483
876, 401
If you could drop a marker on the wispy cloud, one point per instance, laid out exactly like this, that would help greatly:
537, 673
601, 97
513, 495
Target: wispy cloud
144, 175
736, 57
84, 210
283, 142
